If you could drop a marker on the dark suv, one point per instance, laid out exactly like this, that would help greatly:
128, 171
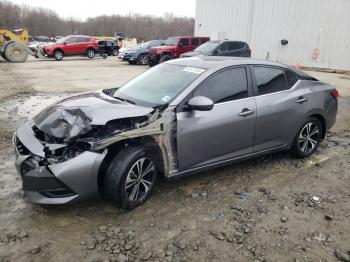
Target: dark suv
108, 47
72, 45
138, 55
174, 47
221, 48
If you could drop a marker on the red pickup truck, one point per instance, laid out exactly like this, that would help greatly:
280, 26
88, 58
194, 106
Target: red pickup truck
72, 45
174, 47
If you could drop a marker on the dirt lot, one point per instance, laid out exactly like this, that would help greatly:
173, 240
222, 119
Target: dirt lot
275, 208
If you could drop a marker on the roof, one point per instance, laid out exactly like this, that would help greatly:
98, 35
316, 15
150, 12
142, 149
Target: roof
208, 62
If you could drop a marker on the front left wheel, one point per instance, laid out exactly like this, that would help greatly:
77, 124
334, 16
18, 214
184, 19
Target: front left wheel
130, 177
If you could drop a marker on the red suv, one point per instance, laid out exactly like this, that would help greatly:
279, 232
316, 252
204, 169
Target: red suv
72, 45
174, 47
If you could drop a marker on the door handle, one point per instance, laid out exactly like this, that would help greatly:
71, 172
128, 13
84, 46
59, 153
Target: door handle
301, 100
246, 112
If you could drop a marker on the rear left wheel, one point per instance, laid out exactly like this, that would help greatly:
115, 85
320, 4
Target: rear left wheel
130, 177
90, 53
115, 52
308, 138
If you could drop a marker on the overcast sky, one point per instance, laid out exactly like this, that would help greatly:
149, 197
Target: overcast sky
83, 9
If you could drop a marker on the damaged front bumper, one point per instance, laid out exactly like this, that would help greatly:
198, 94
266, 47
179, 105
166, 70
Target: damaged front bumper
54, 183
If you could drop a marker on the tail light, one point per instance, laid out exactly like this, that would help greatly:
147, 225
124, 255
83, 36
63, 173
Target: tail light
335, 93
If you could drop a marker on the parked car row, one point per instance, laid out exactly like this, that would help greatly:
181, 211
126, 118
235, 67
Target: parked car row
152, 52
155, 52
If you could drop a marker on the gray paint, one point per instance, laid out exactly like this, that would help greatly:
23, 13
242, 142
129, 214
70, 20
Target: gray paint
205, 139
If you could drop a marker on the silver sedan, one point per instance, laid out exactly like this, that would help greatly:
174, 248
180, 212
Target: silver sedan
181, 117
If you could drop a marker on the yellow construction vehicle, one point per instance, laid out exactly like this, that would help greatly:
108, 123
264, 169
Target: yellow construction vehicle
13, 45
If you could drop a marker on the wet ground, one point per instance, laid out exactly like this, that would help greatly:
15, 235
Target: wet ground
274, 208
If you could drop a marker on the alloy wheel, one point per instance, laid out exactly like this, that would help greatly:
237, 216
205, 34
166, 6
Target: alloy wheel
309, 138
58, 55
140, 179
143, 60
91, 53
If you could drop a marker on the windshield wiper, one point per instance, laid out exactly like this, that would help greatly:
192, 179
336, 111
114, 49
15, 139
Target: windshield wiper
125, 100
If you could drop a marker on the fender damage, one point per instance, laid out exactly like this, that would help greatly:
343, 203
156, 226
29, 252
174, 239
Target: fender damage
59, 155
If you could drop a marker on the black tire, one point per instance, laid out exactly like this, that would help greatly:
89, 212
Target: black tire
115, 52
16, 52
4, 57
90, 53
165, 58
142, 60
58, 55
308, 138
121, 171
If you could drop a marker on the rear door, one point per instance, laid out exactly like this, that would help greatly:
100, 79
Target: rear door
225, 132
82, 44
279, 109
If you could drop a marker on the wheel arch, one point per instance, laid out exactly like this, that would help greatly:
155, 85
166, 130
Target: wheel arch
322, 119
148, 142
57, 49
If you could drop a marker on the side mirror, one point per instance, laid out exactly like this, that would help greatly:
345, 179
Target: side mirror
200, 103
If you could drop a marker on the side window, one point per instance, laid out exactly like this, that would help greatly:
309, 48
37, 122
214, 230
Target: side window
185, 41
84, 40
109, 43
270, 80
235, 45
223, 47
71, 40
291, 78
227, 85
195, 41
101, 43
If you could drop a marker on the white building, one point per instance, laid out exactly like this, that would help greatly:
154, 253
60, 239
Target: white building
318, 31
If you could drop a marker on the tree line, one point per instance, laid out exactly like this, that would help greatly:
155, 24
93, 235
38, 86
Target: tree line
42, 21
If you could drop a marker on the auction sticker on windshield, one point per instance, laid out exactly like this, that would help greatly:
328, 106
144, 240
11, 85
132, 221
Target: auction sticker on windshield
194, 70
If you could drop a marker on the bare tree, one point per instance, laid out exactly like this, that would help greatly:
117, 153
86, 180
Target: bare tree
43, 21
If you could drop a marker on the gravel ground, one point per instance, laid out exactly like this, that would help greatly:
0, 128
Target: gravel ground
274, 208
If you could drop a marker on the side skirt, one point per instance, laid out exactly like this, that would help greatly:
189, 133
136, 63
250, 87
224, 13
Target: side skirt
200, 169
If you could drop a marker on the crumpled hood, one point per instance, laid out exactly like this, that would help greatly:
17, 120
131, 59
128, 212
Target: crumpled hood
75, 115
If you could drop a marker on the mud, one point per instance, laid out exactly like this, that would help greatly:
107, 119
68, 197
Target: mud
274, 208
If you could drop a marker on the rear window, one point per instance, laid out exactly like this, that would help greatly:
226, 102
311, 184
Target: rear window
195, 41
185, 41
270, 80
204, 39
235, 45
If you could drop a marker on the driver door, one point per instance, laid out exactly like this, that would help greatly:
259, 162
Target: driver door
225, 132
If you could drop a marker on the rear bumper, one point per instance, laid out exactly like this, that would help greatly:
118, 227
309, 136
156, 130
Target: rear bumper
331, 114
72, 180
